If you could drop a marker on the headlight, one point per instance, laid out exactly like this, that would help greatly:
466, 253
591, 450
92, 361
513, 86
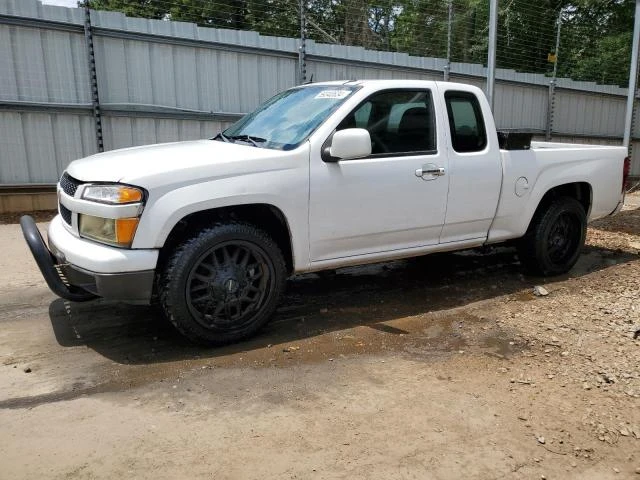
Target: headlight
114, 231
113, 194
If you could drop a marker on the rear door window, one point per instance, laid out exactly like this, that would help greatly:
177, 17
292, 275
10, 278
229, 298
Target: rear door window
465, 122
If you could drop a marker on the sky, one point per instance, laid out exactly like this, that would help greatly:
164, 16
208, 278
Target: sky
62, 3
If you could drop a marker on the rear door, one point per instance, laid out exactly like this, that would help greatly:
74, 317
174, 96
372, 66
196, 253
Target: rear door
389, 200
475, 166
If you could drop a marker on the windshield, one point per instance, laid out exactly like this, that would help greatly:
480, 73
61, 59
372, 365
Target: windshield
286, 120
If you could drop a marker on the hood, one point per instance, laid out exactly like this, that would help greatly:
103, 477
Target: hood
172, 163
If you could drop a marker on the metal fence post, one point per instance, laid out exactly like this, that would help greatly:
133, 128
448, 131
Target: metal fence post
633, 77
302, 50
491, 60
551, 101
93, 79
552, 83
447, 67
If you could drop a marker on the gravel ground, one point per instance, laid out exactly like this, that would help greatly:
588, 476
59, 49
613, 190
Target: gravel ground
446, 366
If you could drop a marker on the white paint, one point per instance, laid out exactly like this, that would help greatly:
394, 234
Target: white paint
352, 211
475, 178
522, 186
96, 257
351, 143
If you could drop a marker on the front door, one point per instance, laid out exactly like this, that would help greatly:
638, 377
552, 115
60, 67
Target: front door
394, 199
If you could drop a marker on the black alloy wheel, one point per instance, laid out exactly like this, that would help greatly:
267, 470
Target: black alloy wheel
228, 284
563, 237
555, 238
223, 284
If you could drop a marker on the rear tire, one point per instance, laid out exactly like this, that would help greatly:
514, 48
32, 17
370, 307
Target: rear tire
555, 238
223, 284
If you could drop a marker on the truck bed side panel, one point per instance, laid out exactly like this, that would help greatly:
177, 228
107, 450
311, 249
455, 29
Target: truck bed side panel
530, 174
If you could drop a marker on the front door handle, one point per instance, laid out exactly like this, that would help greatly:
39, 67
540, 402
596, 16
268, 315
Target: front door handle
430, 171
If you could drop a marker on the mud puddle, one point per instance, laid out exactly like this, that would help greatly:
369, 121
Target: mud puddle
425, 308
427, 336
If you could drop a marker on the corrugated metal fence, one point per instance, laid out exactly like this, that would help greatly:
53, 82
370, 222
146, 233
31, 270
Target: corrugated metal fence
161, 81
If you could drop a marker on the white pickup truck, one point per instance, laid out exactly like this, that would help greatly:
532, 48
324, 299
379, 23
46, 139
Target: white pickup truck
321, 176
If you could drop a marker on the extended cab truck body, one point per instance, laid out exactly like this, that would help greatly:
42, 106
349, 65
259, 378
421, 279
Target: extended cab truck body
321, 176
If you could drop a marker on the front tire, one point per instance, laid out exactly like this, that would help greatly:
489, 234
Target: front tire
223, 284
555, 238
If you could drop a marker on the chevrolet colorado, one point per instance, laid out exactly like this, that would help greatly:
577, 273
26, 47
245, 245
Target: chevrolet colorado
321, 176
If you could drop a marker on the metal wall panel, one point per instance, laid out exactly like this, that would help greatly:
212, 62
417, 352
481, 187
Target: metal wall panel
37, 147
41, 65
145, 64
476, 81
207, 77
635, 150
122, 132
520, 106
325, 70
151, 73
588, 114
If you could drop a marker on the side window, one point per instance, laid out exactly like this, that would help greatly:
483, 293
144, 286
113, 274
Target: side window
362, 115
399, 122
465, 122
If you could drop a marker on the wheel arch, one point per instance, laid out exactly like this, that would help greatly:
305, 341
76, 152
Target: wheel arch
581, 191
265, 216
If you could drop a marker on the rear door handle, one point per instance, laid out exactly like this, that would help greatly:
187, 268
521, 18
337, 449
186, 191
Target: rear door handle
430, 171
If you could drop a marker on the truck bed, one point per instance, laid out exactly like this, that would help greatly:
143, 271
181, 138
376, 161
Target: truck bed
528, 174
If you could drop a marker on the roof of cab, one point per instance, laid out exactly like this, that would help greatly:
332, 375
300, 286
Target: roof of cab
386, 82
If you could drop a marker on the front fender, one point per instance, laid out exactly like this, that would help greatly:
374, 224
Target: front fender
286, 190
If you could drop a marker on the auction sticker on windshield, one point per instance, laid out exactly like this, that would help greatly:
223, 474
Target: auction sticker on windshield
333, 94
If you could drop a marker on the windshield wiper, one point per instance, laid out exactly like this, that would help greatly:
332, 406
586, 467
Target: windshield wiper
221, 136
248, 138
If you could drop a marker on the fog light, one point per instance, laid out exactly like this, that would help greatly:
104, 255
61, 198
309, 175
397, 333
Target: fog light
119, 232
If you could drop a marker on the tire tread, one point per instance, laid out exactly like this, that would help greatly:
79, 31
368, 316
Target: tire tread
181, 319
529, 246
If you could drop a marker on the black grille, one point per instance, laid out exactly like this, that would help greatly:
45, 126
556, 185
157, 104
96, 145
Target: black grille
65, 213
69, 184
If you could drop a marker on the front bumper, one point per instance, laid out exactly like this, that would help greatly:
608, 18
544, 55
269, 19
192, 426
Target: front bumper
129, 287
124, 275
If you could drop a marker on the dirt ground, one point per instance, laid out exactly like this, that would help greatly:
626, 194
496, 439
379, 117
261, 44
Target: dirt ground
445, 366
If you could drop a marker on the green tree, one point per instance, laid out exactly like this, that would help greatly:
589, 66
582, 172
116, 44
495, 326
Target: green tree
595, 34
596, 41
144, 8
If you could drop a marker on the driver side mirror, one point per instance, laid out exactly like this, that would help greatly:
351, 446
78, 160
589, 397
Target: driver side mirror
348, 144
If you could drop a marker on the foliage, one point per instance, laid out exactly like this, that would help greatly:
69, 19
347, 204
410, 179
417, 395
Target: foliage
595, 40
